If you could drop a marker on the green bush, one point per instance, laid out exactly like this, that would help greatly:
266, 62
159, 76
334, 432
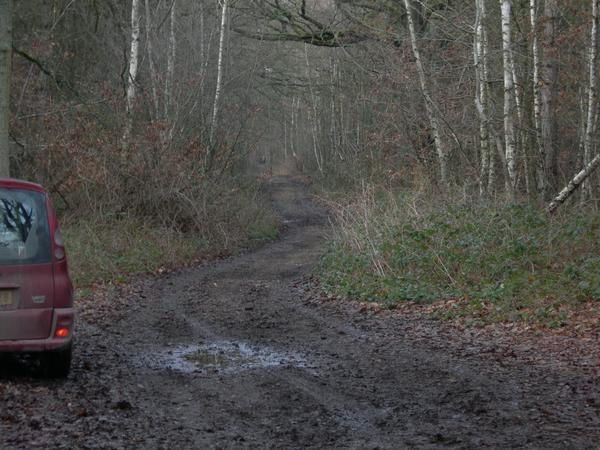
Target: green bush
503, 262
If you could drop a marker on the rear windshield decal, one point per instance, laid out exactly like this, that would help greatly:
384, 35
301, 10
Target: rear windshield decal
24, 229
16, 218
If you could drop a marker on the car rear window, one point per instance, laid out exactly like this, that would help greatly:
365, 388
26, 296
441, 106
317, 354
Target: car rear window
24, 235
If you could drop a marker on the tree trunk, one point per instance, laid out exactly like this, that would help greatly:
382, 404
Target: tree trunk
170, 115
213, 124
481, 99
509, 87
170, 63
6, 7
133, 69
293, 127
150, 54
285, 140
592, 94
333, 109
205, 46
574, 183
440, 147
548, 86
537, 102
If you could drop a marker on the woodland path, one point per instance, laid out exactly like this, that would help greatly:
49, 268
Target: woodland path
241, 353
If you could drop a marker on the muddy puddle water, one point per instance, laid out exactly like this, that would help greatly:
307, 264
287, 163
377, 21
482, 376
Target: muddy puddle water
224, 356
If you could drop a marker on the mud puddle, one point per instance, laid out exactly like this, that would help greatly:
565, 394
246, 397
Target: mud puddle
222, 356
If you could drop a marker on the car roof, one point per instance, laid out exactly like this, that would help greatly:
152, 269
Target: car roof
20, 184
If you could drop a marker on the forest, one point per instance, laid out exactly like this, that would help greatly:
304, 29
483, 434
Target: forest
443, 135
325, 224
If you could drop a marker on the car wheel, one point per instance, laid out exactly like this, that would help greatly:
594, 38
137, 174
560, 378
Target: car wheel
57, 364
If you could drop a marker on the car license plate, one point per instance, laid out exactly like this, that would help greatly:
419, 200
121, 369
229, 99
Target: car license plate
7, 298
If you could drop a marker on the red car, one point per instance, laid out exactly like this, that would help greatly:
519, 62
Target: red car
36, 293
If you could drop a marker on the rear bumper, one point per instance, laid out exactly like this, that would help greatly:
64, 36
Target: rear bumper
61, 317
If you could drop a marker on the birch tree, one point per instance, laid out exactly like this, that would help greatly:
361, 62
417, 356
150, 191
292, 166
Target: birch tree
590, 124
294, 127
575, 182
590, 164
439, 144
480, 56
509, 92
133, 69
6, 9
223, 29
537, 101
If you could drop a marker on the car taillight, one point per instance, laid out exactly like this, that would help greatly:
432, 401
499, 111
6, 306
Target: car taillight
62, 332
59, 252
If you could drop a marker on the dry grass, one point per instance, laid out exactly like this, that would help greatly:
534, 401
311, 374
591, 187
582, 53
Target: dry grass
487, 262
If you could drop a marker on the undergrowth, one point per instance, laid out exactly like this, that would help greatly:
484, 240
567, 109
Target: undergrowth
110, 247
111, 250
498, 262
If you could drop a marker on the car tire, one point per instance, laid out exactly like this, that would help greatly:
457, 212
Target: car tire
57, 364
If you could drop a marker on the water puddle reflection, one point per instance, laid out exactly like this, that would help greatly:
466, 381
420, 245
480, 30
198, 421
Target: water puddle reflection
223, 357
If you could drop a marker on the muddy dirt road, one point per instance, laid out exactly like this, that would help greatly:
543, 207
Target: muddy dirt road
240, 354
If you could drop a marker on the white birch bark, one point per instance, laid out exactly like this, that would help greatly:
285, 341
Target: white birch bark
582, 125
537, 101
340, 117
509, 89
133, 69
333, 109
433, 120
285, 139
592, 89
479, 56
293, 127
213, 124
516, 88
343, 125
491, 181
133, 54
6, 6
574, 184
